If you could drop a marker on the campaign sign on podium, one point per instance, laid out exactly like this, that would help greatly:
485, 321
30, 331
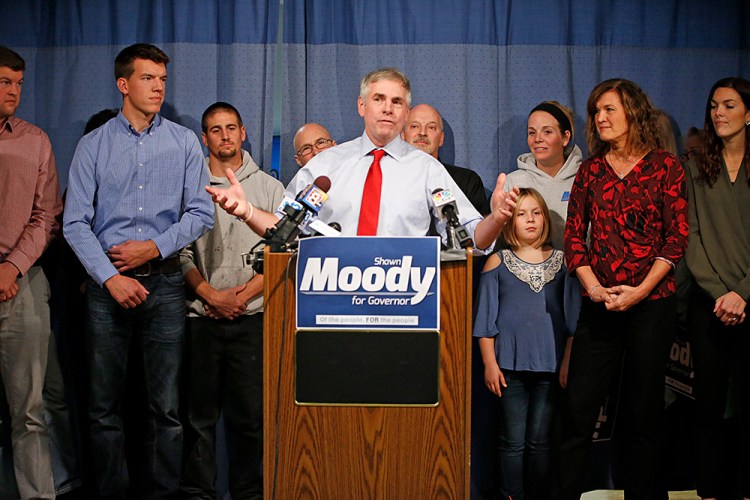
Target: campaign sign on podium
380, 283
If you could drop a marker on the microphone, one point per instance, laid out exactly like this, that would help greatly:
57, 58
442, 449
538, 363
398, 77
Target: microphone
445, 203
323, 229
306, 205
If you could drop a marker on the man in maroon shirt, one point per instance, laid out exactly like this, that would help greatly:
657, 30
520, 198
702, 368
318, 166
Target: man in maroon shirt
29, 204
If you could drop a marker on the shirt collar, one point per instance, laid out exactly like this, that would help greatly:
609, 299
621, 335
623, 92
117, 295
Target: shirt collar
127, 127
10, 124
396, 149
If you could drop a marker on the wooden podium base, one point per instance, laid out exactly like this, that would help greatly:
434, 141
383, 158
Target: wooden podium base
366, 452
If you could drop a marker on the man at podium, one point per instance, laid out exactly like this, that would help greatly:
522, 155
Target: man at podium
379, 184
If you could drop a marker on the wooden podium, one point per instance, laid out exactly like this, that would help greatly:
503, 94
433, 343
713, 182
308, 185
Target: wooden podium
366, 452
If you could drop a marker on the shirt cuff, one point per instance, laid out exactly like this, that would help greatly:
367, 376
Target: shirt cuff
163, 245
20, 261
187, 265
664, 259
104, 275
578, 260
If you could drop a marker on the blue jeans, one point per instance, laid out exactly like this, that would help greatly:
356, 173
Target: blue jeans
527, 408
158, 327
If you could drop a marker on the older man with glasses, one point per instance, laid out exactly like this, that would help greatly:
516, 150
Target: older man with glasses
311, 139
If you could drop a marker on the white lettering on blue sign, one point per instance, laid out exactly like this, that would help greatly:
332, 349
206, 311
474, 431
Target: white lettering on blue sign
324, 275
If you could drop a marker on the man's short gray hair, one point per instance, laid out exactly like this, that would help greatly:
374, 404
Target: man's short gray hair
392, 74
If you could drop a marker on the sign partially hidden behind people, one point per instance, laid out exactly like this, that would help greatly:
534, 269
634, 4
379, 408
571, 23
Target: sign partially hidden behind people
369, 283
680, 368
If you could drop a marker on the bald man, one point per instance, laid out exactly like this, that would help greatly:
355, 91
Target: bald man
424, 130
310, 139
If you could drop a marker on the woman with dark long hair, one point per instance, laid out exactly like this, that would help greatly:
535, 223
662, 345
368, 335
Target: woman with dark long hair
631, 195
718, 256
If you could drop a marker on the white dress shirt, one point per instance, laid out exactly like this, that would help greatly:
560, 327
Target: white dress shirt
409, 177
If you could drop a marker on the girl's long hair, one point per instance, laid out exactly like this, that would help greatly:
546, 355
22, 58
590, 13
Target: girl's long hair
509, 230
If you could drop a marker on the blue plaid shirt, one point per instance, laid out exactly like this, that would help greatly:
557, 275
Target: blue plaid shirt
124, 185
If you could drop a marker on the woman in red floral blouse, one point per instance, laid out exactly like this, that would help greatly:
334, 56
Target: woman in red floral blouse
631, 195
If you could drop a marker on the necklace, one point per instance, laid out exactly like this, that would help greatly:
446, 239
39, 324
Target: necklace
625, 165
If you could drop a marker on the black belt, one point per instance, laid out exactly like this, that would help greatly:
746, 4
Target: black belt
155, 267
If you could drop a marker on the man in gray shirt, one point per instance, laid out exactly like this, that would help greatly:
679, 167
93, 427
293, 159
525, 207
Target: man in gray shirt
224, 365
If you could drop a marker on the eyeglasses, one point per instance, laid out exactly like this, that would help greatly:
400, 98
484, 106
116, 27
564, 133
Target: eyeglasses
319, 144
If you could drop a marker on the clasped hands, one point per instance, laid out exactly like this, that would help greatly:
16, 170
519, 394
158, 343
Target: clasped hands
617, 298
225, 304
129, 292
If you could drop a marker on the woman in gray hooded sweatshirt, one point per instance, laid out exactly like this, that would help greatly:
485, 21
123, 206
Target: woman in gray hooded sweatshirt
552, 164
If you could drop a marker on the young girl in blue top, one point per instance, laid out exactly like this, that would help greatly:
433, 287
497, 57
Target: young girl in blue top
525, 341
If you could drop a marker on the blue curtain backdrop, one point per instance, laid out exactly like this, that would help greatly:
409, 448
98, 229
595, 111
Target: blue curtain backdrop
484, 64
219, 50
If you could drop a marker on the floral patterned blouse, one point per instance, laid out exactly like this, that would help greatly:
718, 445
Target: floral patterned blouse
634, 220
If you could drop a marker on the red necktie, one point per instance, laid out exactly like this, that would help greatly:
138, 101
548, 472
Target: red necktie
368, 212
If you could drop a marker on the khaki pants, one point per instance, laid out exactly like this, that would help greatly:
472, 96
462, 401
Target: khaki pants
24, 341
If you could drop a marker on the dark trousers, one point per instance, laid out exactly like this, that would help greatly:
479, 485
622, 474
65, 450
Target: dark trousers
157, 326
719, 353
643, 335
225, 373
